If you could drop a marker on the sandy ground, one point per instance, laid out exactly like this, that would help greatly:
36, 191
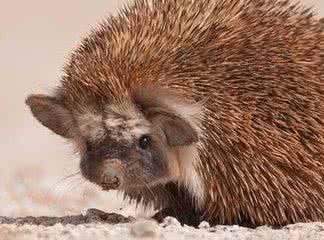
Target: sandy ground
170, 229
36, 37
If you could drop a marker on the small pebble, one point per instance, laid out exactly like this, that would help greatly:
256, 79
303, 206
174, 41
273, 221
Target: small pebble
204, 225
170, 221
145, 229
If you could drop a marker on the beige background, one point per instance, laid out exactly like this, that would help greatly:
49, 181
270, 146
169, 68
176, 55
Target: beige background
36, 37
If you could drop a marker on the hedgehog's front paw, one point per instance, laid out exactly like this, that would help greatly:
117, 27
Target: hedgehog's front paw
184, 217
159, 216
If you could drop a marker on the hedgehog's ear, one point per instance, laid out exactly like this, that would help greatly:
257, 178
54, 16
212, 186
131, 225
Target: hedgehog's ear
52, 114
176, 129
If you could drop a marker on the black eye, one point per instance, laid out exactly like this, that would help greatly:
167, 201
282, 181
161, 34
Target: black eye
144, 141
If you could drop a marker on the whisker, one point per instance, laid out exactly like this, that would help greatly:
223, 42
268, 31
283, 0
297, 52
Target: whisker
146, 186
170, 196
60, 189
78, 183
161, 189
68, 177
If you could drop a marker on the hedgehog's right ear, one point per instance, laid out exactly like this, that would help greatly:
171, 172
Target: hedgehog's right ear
52, 114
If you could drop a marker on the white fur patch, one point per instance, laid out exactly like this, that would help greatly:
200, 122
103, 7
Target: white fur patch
113, 122
125, 122
189, 177
90, 125
126, 129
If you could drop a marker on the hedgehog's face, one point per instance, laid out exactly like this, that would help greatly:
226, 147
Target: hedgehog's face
123, 146
123, 149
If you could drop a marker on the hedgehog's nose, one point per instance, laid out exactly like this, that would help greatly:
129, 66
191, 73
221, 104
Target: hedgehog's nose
109, 182
111, 175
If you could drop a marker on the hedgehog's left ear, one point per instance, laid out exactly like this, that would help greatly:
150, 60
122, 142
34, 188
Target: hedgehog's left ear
52, 114
177, 130
154, 101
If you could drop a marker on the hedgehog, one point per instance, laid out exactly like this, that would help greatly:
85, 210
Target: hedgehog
206, 110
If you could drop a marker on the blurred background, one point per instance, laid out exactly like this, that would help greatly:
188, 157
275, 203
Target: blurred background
36, 37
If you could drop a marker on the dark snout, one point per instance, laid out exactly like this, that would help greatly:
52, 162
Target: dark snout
107, 173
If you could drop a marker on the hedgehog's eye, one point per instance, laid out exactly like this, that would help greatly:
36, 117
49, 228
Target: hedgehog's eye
144, 141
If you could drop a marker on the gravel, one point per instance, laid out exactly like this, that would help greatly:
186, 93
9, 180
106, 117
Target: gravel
96, 224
